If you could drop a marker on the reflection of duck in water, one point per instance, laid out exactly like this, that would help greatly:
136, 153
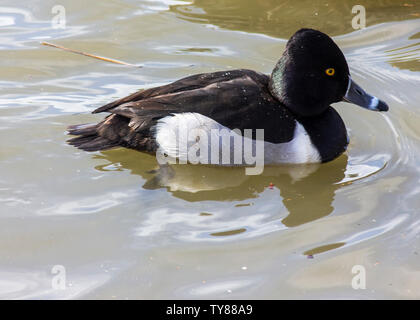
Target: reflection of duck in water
307, 191
292, 106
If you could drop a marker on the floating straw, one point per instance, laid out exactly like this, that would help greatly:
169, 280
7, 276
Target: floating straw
88, 54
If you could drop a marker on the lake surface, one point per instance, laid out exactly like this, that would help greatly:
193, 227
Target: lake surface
120, 227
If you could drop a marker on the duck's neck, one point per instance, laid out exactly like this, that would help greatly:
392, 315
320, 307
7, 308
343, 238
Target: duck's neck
276, 84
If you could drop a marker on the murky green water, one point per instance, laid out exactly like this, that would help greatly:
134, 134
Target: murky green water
122, 230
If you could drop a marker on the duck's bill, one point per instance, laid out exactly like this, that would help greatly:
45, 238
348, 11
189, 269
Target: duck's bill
355, 94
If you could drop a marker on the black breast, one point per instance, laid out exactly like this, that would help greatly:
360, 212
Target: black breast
327, 132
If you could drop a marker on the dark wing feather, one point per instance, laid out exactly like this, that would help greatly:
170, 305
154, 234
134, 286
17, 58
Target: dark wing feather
185, 84
237, 99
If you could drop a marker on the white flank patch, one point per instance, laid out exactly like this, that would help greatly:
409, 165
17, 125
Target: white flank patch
299, 150
186, 129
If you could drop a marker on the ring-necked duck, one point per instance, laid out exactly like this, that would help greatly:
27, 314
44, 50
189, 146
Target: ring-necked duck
292, 106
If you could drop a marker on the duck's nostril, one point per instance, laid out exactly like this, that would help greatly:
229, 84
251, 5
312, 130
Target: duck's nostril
358, 91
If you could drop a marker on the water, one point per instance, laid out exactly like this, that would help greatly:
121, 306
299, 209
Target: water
121, 229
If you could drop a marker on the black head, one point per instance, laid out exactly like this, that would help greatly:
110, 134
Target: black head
312, 74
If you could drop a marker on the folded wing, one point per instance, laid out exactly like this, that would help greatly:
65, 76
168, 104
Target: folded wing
237, 99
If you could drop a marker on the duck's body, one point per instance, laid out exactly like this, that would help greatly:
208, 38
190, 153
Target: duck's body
236, 99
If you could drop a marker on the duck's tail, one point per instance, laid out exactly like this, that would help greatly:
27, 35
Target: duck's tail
89, 139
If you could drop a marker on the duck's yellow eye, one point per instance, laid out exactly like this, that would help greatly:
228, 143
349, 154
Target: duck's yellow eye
330, 71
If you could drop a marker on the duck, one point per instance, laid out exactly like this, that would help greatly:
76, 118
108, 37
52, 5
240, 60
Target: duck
291, 107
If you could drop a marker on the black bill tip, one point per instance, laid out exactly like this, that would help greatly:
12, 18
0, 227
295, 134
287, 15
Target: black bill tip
382, 106
376, 105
